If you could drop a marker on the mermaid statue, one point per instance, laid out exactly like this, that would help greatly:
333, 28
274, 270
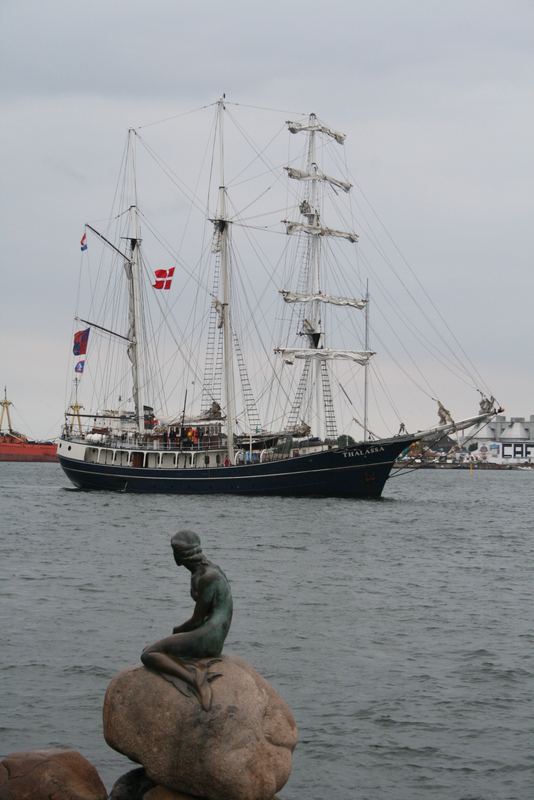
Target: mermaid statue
185, 658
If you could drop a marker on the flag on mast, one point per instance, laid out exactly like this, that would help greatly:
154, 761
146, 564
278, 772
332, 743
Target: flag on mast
80, 342
83, 242
79, 366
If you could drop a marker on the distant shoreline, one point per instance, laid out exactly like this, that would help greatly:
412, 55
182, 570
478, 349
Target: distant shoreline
472, 465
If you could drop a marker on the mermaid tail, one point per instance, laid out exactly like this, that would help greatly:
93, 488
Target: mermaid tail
198, 680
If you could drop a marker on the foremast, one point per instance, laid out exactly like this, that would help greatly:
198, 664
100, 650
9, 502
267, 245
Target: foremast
132, 267
134, 319
316, 355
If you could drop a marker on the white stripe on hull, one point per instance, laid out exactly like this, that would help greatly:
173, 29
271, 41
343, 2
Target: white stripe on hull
189, 473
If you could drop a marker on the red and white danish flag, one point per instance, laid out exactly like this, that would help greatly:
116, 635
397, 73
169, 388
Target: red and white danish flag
163, 278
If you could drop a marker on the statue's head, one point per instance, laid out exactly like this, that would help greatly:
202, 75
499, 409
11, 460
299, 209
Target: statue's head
186, 547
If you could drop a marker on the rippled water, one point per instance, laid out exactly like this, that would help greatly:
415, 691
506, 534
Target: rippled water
399, 631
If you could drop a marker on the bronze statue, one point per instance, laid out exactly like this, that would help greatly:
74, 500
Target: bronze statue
176, 658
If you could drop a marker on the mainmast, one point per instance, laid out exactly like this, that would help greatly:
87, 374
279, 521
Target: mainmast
316, 354
223, 229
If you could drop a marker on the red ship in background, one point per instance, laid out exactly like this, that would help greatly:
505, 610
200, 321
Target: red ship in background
15, 446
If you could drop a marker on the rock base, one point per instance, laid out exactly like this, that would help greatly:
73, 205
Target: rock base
241, 748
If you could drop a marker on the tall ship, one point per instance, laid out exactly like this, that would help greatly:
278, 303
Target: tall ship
200, 368
15, 446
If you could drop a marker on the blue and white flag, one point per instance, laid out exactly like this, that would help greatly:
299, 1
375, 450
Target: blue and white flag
79, 366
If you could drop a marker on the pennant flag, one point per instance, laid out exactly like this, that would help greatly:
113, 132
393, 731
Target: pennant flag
79, 366
163, 278
83, 242
80, 342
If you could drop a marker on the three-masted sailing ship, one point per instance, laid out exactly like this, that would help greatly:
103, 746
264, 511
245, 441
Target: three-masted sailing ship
131, 440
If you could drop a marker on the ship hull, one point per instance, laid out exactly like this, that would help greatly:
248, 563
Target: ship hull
359, 471
28, 452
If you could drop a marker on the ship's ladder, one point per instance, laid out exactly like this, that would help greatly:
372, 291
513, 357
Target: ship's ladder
212, 382
253, 416
296, 409
328, 404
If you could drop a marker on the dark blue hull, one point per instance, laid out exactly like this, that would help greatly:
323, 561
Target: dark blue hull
357, 471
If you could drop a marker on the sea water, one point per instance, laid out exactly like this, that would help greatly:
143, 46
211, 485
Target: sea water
399, 631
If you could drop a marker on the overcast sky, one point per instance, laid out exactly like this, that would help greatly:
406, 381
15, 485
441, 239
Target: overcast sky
437, 99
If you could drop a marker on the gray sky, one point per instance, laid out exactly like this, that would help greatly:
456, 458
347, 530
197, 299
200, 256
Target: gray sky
437, 100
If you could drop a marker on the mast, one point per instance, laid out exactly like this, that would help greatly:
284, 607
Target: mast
5, 411
311, 294
132, 267
366, 367
75, 409
134, 317
314, 285
221, 224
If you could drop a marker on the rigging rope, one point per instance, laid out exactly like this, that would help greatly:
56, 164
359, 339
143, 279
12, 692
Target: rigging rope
175, 116
425, 292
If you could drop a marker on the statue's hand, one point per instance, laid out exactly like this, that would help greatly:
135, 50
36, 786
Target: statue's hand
186, 626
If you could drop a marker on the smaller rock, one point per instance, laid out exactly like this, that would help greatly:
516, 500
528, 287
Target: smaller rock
132, 785
54, 774
161, 793
136, 785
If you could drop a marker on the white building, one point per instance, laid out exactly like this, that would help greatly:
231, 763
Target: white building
505, 441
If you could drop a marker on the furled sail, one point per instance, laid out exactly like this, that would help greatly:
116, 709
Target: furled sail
297, 127
289, 354
317, 230
219, 308
303, 297
302, 175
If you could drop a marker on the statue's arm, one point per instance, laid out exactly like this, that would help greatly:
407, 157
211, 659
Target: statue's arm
190, 625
